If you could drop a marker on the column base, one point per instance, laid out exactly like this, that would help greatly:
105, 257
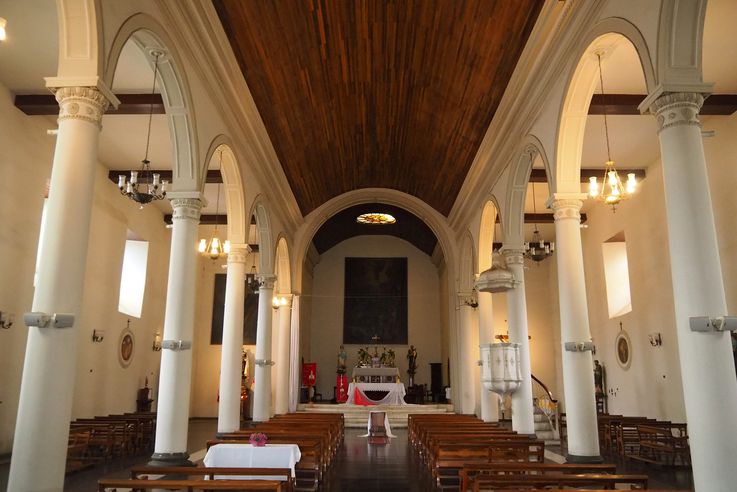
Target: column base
583, 460
170, 459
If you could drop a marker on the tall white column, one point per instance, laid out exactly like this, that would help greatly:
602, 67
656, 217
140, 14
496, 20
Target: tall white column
578, 376
284, 339
523, 420
468, 355
489, 399
47, 387
262, 374
172, 421
231, 356
707, 367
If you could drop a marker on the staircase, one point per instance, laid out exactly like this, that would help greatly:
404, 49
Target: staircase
543, 430
356, 416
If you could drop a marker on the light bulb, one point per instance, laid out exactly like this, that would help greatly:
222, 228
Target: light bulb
631, 183
3, 34
226, 247
203, 245
612, 178
593, 187
134, 177
121, 181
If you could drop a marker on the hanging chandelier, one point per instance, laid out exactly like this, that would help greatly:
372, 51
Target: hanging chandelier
144, 186
214, 247
252, 282
612, 189
537, 249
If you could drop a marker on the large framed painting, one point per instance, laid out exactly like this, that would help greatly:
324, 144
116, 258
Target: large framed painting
375, 300
218, 311
623, 349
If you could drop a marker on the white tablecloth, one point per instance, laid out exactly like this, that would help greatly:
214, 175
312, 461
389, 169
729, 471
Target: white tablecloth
386, 424
248, 456
394, 397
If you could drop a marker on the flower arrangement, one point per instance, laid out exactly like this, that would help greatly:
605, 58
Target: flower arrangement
258, 439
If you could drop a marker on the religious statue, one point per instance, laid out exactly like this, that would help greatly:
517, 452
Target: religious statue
388, 358
412, 364
342, 356
364, 357
598, 378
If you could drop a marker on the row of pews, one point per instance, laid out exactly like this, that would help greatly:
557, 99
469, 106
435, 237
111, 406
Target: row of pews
464, 453
319, 437
101, 439
644, 439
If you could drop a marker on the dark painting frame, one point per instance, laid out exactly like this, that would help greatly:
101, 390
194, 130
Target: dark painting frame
250, 310
375, 300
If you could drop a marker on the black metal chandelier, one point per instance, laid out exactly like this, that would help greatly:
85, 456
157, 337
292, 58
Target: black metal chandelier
537, 249
145, 186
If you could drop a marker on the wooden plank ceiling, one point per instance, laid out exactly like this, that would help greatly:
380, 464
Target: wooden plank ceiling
377, 93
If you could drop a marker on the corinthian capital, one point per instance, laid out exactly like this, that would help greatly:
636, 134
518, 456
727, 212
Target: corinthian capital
81, 103
237, 254
186, 208
676, 109
267, 280
566, 208
514, 256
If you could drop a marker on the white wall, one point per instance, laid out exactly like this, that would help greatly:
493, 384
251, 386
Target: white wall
424, 311
102, 386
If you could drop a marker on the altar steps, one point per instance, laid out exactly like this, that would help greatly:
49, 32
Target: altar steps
356, 416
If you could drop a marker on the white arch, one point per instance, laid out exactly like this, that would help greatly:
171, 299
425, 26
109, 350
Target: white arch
266, 246
603, 38
235, 199
486, 235
466, 264
283, 268
150, 36
530, 149
80, 36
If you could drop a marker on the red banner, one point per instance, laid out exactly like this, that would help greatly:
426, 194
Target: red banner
341, 388
309, 373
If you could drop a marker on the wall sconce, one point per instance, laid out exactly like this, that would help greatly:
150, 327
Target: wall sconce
156, 347
98, 336
6, 320
655, 339
277, 302
472, 300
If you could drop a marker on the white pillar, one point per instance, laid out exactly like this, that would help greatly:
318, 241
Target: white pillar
284, 339
578, 376
523, 420
47, 387
262, 374
707, 367
469, 355
231, 356
489, 399
172, 421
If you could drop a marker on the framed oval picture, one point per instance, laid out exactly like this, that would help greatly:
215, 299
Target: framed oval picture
623, 349
125, 347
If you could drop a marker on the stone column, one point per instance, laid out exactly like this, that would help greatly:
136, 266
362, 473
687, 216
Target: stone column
47, 386
284, 339
707, 367
523, 420
578, 376
231, 356
489, 399
175, 382
262, 374
466, 402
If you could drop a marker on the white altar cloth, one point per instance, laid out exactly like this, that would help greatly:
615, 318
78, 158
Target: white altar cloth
394, 397
386, 424
248, 456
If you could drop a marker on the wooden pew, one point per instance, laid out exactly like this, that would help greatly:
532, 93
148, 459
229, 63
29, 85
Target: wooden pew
174, 472
558, 480
663, 443
190, 485
470, 471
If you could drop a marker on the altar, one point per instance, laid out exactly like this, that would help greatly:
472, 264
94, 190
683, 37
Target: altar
375, 375
376, 394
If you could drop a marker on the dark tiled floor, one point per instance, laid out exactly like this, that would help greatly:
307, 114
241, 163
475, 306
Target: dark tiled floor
357, 468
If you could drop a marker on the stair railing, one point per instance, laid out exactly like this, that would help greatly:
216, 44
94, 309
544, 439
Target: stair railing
543, 399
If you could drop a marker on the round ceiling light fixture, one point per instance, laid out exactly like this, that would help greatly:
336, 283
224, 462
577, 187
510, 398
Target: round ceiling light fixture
376, 218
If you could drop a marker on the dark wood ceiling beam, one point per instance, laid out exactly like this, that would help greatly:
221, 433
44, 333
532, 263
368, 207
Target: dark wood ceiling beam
45, 104
540, 176
542, 218
626, 104
213, 175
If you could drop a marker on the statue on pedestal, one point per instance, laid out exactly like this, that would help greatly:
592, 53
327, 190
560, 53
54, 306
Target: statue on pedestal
342, 356
412, 364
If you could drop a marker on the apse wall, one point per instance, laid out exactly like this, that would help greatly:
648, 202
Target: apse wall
424, 312
102, 386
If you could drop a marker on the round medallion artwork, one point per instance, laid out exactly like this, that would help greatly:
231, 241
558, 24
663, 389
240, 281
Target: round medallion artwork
125, 347
623, 349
